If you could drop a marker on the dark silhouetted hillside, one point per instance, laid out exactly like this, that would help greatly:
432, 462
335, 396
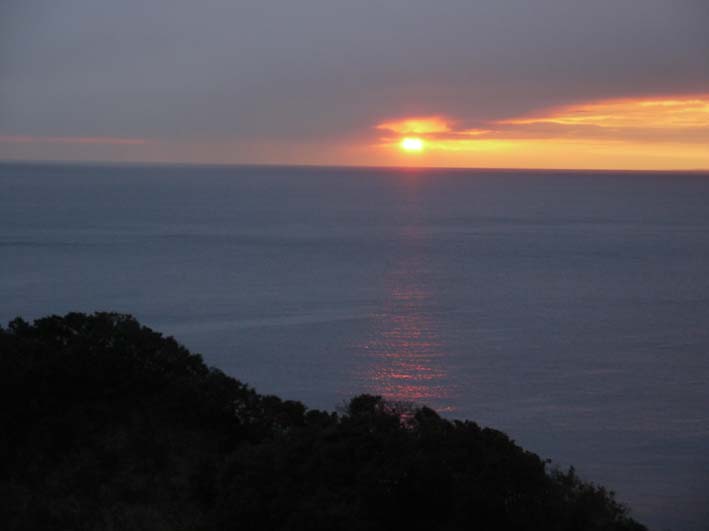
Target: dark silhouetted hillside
108, 425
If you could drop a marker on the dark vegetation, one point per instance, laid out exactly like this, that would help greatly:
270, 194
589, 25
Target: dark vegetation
109, 425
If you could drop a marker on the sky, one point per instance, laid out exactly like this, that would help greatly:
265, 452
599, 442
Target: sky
617, 84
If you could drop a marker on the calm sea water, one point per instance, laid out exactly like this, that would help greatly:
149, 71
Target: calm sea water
570, 310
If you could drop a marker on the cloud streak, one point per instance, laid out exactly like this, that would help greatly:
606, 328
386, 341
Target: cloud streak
86, 140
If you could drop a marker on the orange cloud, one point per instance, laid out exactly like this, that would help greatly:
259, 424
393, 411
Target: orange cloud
24, 139
650, 113
417, 125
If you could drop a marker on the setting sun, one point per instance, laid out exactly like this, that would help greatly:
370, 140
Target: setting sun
412, 144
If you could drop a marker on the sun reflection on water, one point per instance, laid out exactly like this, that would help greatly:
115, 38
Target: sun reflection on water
403, 355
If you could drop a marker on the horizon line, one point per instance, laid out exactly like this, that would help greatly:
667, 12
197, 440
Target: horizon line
340, 166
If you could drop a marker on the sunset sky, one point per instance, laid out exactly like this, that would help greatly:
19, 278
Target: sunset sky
546, 84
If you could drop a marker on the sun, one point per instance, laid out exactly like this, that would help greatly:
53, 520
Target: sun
411, 144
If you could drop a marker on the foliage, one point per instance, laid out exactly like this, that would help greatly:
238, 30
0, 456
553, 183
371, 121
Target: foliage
108, 425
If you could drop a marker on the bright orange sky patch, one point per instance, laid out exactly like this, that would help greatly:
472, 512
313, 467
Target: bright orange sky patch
641, 133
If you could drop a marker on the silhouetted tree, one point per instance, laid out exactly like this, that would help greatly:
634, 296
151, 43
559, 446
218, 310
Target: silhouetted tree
107, 424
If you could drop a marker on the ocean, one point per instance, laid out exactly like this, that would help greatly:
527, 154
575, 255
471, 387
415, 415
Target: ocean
568, 309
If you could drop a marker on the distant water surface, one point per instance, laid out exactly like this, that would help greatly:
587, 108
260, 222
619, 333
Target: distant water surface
569, 309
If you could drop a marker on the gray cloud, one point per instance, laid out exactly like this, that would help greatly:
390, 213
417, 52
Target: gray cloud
225, 69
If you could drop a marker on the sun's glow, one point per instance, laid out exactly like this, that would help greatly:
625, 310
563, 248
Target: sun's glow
657, 133
412, 144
